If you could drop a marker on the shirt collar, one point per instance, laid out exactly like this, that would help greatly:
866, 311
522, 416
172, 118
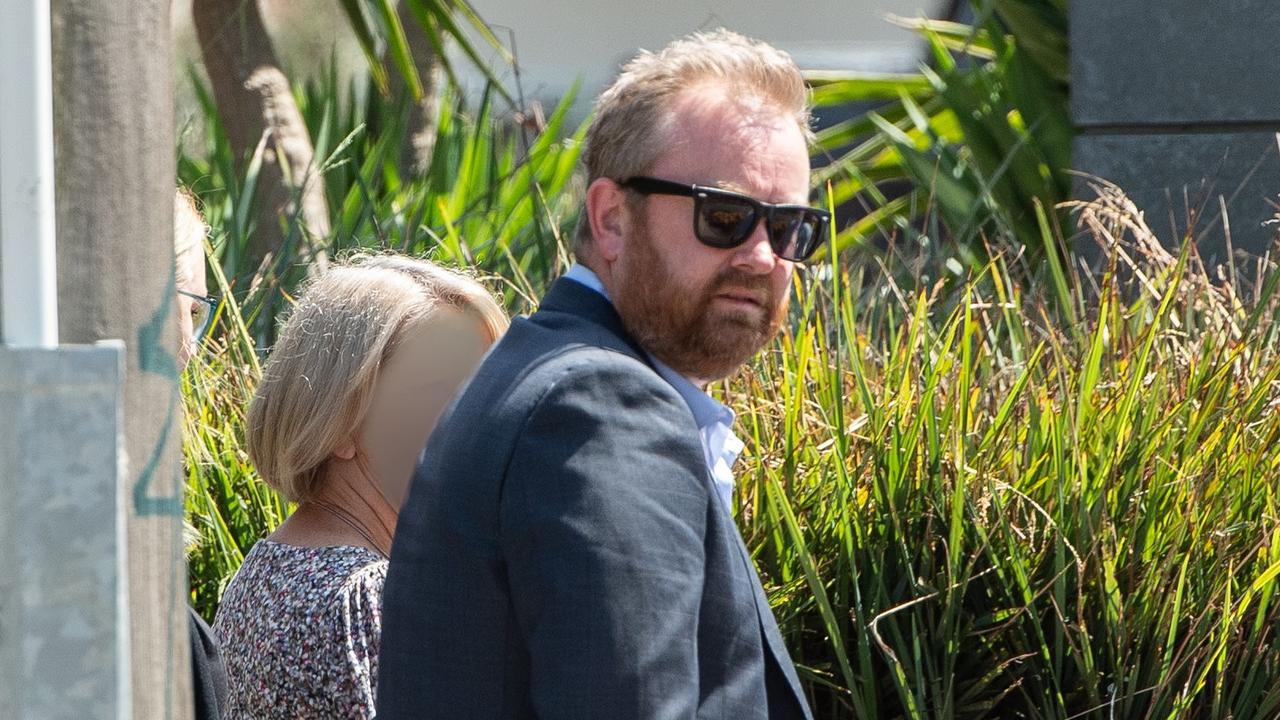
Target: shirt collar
583, 275
707, 411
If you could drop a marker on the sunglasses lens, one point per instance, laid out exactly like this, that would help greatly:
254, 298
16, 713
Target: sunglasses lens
783, 234
724, 222
795, 234
813, 232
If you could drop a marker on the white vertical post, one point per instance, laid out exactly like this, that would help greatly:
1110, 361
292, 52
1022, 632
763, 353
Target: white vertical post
28, 285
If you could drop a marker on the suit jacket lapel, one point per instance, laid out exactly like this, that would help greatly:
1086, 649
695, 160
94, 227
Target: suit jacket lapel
764, 612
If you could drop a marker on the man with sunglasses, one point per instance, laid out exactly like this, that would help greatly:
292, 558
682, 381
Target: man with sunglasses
568, 548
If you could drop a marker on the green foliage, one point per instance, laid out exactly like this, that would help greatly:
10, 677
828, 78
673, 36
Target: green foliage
983, 136
381, 34
965, 510
228, 509
493, 198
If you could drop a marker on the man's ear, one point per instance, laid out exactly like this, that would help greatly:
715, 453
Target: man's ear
607, 213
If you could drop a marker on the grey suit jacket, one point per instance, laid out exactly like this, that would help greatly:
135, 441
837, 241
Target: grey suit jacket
564, 554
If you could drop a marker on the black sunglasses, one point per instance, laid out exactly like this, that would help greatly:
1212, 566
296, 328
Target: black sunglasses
725, 219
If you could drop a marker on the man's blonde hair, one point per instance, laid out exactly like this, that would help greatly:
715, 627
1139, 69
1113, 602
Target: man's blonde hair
318, 383
629, 130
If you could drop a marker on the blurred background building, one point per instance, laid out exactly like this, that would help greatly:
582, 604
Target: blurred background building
558, 43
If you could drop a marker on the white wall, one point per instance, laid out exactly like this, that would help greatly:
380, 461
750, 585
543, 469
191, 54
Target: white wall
560, 40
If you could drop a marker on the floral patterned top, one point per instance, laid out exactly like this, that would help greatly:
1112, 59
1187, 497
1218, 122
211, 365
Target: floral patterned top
299, 629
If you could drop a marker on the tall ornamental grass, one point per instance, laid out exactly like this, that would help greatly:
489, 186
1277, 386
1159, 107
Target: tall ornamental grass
974, 506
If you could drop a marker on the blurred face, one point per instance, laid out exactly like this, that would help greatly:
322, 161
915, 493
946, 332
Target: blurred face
434, 359
190, 279
704, 311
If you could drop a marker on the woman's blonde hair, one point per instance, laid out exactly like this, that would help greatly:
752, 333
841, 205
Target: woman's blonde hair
318, 382
629, 130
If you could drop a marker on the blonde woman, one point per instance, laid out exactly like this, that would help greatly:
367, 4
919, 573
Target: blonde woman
369, 358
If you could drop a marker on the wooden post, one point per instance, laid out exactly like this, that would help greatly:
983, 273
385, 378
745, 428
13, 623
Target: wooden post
114, 164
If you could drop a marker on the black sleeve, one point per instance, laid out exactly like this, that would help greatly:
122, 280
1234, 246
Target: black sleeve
208, 675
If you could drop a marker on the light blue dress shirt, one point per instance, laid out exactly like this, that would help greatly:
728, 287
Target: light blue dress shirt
720, 447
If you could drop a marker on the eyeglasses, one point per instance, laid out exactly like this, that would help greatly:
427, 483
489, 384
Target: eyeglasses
201, 313
725, 219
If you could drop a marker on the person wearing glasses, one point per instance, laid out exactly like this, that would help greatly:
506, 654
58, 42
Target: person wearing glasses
568, 548
370, 354
195, 305
195, 313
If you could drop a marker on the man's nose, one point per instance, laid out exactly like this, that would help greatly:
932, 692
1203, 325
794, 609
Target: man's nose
756, 255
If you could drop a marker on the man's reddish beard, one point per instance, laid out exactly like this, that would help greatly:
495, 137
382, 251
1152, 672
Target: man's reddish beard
685, 327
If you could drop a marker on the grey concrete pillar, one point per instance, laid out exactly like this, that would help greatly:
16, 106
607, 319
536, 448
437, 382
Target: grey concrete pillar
64, 634
1177, 102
